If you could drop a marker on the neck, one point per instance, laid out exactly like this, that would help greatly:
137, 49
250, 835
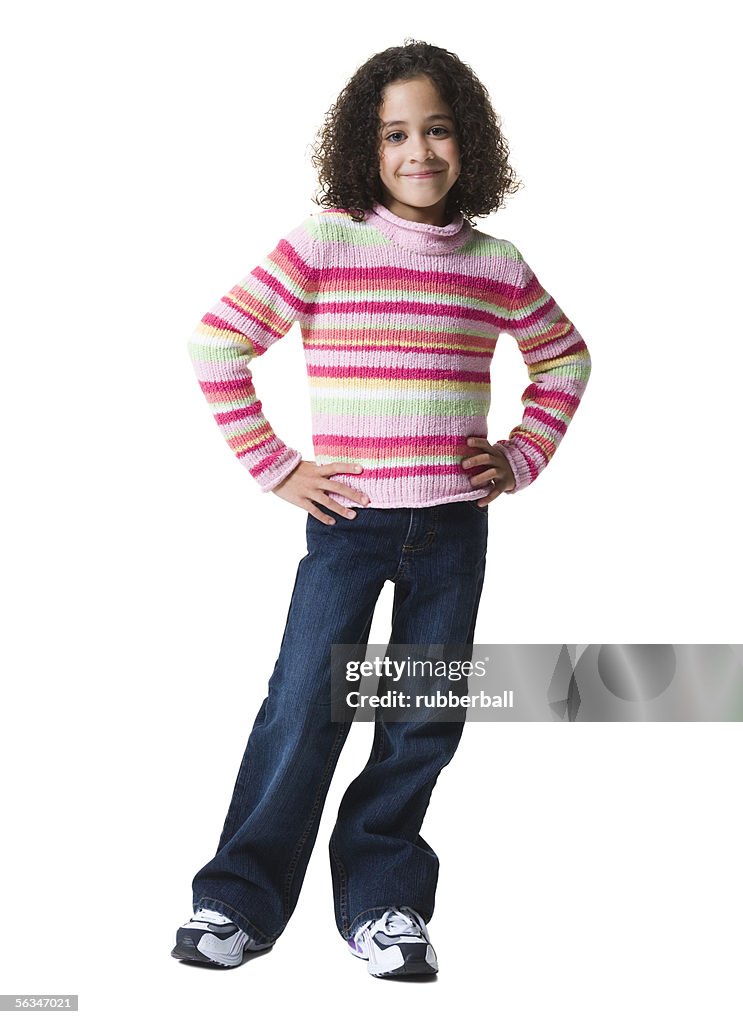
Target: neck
435, 215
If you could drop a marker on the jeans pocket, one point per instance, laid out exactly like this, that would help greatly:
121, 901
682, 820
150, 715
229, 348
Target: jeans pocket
480, 511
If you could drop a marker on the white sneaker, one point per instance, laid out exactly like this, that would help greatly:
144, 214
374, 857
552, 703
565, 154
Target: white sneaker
395, 943
212, 938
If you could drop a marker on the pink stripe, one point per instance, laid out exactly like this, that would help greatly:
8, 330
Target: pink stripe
373, 307
212, 320
476, 285
540, 316
224, 387
277, 289
393, 473
549, 421
357, 349
235, 415
524, 439
551, 347
539, 393
376, 445
389, 440
397, 373
267, 462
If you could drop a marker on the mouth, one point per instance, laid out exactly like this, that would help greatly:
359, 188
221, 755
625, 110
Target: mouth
423, 176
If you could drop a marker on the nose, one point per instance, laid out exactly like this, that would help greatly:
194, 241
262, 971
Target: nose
420, 148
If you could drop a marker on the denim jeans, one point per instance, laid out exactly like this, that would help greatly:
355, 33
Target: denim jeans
435, 557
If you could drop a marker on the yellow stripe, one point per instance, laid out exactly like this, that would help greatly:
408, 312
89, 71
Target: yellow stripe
421, 346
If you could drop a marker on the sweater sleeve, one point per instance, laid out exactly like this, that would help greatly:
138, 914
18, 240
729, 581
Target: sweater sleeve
257, 311
559, 366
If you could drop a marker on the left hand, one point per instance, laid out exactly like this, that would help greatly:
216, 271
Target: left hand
496, 469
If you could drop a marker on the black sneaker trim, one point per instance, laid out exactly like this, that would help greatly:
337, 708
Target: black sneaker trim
186, 949
383, 941
223, 931
413, 963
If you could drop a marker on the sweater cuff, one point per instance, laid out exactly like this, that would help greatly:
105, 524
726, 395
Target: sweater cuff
276, 468
519, 465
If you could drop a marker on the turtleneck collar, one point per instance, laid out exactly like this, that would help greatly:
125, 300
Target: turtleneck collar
426, 238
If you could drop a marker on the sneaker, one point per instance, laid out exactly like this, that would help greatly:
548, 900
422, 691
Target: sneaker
395, 943
212, 938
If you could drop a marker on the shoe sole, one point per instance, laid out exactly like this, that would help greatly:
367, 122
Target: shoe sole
413, 963
186, 949
410, 966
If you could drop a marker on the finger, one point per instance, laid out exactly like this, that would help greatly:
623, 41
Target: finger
482, 502
339, 467
477, 460
492, 475
334, 506
486, 473
317, 513
345, 489
340, 488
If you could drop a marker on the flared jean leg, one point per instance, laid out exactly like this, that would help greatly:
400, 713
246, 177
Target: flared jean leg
378, 857
272, 822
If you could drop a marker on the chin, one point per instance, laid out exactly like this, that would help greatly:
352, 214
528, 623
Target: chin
423, 202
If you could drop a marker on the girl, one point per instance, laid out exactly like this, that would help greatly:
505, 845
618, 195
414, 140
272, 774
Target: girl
400, 302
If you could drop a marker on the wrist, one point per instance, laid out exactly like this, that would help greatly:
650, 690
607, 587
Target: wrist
269, 474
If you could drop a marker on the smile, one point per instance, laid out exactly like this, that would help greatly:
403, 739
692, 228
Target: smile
428, 174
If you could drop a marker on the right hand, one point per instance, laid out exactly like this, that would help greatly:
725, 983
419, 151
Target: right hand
309, 482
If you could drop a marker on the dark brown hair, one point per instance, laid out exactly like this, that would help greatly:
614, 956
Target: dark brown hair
346, 152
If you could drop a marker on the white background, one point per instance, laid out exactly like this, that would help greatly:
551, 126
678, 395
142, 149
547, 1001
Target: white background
154, 153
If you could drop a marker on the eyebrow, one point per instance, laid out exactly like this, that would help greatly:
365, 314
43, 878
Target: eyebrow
431, 117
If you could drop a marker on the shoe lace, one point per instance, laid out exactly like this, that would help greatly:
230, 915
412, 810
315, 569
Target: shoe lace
212, 916
396, 922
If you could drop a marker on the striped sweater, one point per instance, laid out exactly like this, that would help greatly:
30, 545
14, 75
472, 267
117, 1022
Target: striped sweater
399, 322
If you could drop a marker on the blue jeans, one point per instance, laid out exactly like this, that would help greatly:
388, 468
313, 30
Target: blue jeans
435, 557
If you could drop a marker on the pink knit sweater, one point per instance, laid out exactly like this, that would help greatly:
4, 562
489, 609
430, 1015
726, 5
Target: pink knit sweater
399, 323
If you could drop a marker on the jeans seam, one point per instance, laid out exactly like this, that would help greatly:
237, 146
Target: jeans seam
376, 756
328, 770
430, 535
425, 543
398, 570
342, 884
378, 747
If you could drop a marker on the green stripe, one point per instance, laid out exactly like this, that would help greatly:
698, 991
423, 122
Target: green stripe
400, 407
211, 353
408, 295
340, 228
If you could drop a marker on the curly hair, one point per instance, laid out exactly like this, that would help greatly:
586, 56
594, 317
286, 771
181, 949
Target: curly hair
347, 148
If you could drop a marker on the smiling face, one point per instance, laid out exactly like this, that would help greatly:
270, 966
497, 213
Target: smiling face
419, 155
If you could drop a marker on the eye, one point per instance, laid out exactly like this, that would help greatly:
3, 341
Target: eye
436, 128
